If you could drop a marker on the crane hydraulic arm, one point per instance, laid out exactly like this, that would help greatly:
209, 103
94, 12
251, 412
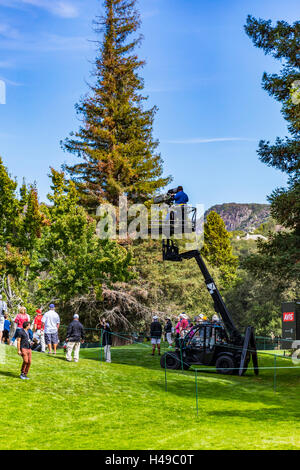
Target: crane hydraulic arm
171, 253
246, 344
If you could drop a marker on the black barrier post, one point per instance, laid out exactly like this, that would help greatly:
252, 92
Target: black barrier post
275, 373
166, 385
101, 334
196, 380
181, 355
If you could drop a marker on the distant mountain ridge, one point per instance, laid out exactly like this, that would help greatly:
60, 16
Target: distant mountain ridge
242, 216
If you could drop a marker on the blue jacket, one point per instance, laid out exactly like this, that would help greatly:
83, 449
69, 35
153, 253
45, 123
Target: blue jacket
181, 198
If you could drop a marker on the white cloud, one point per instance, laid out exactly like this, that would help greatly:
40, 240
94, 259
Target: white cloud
61, 8
45, 43
8, 31
6, 64
56, 7
205, 141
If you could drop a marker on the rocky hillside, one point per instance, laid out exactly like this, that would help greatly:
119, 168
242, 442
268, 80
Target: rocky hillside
244, 217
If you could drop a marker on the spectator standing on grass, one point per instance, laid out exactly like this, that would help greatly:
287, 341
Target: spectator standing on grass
3, 310
20, 319
168, 332
75, 336
51, 322
106, 339
155, 333
6, 330
38, 329
24, 350
181, 327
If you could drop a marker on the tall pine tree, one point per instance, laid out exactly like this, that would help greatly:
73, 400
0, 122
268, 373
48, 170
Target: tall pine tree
115, 143
280, 255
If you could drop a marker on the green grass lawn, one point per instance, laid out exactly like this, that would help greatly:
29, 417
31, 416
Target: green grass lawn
124, 405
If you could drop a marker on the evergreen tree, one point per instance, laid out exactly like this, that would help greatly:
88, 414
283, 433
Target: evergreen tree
33, 220
280, 255
115, 142
9, 207
217, 248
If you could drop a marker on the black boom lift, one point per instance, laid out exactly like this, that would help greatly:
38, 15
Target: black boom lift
211, 343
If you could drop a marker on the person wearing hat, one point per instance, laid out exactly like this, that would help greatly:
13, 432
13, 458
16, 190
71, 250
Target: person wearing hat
3, 311
75, 336
50, 322
183, 321
38, 329
155, 333
215, 318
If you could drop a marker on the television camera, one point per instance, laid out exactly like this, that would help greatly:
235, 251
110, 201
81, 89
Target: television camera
167, 198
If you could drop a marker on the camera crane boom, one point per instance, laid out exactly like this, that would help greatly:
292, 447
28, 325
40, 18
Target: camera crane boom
171, 253
237, 351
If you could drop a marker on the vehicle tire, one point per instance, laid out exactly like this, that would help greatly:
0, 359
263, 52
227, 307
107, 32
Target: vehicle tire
170, 360
237, 362
225, 365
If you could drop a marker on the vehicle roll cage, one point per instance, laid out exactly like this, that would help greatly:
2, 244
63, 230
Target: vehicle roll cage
178, 218
190, 335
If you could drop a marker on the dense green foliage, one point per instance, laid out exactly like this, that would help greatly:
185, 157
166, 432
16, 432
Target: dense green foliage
279, 257
52, 253
266, 227
171, 288
124, 405
115, 140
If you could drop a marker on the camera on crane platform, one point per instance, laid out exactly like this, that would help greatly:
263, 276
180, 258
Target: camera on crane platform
167, 198
180, 218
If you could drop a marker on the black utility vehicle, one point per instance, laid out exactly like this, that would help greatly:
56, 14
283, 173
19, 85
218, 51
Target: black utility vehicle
206, 344
212, 344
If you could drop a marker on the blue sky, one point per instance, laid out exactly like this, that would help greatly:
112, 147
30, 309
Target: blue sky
202, 72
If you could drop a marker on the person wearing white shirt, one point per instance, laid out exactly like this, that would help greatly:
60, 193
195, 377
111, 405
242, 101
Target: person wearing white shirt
51, 323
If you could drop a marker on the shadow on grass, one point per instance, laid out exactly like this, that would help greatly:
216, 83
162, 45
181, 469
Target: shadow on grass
61, 358
222, 388
9, 374
249, 383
